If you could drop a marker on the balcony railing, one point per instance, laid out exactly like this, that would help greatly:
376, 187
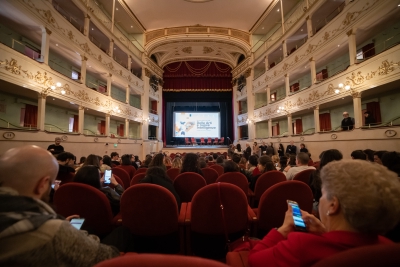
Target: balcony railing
68, 17
378, 47
323, 22
152, 111
21, 47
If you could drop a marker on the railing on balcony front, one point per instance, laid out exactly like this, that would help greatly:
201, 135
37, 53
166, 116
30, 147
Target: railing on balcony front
376, 48
21, 47
152, 111
318, 25
68, 17
6, 124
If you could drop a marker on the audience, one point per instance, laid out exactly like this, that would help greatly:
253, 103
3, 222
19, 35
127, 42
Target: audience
126, 165
91, 160
358, 154
370, 154
359, 202
265, 164
283, 163
147, 161
191, 164
231, 166
391, 160
158, 161
31, 233
378, 156
106, 163
177, 163
114, 159
65, 171
301, 165
281, 151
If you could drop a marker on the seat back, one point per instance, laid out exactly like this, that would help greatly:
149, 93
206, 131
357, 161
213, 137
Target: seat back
210, 175
123, 175
187, 184
209, 140
65, 177
235, 178
222, 140
216, 140
119, 181
173, 172
89, 203
141, 170
273, 205
187, 141
303, 176
218, 168
137, 178
265, 181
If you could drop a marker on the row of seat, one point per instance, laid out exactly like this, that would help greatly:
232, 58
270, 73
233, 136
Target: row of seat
216, 141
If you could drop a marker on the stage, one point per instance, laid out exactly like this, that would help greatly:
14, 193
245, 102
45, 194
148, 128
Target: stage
194, 149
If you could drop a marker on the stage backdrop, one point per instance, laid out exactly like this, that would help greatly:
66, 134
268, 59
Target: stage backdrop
189, 84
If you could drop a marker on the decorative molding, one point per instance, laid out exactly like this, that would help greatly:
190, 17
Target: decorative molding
207, 50
187, 50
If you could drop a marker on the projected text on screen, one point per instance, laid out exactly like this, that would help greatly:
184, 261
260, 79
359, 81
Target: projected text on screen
190, 124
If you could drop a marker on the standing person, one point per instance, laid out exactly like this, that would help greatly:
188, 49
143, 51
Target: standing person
281, 150
291, 149
263, 148
270, 150
368, 118
56, 148
256, 149
114, 158
238, 149
247, 151
303, 148
347, 122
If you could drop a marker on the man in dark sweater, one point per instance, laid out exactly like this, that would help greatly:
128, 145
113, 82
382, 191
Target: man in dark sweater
56, 148
347, 122
291, 149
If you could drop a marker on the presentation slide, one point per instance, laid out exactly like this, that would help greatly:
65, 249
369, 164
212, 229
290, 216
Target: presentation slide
197, 124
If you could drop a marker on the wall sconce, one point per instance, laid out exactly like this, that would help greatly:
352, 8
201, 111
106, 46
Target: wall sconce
57, 86
340, 88
249, 121
283, 110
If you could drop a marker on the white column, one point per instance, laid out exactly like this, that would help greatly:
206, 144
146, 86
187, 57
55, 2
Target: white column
127, 128
352, 46
316, 119
112, 17
41, 111
290, 126
283, 18
309, 27
86, 25
270, 128
284, 48
129, 63
107, 124
111, 48
287, 84
128, 94
357, 109
83, 69
250, 103
235, 136
313, 71
81, 117
266, 63
45, 46
109, 84
268, 94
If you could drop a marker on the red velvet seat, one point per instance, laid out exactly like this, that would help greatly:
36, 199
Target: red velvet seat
238, 259
187, 184
222, 141
150, 212
87, 202
140, 170
218, 168
202, 142
123, 175
193, 140
209, 141
65, 177
173, 172
187, 142
210, 175
303, 176
158, 260
265, 181
273, 206
236, 178
137, 178
129, 169
215, 141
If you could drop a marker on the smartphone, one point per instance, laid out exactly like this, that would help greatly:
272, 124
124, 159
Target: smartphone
77, 222
55, 182
299, 224
107, 176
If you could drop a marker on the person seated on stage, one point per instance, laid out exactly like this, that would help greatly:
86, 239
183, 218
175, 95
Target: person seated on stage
158, 161
264, 165
301, 165
114, 159
191, 164
66, 171
32, 234
126, 164
359, 202
56, 148
177, 163
90, 175
358, 154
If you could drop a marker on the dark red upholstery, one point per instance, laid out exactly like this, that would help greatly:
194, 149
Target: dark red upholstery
187, 184
209, 141
87, 202
303, 176
150, 212
137, 178
215, 141
210, 175
206, 232
173, 172
367, 256
265, 181
273, 205
218, 168
187, 142
119, 181
140, 170
193, 140
123, 175
238, 259
158, 260
235, 178
65, 177
129, 169
221, 142
202, 141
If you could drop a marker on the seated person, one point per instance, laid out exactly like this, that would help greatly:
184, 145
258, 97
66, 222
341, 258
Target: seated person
265, 164
359, 202
126, 164
32, 234
114, 159
90, 175
358, 154
66, 170
191, 164
301, 165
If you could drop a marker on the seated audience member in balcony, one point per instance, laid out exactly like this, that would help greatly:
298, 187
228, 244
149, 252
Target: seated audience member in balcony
347, 122
369, 119
158, 161
281, 150
291, 149
90, 175
283, 161
32, 234
349, 188
301, 165
303, 148
191, 164
358, 154
177, 163
391, 160
157, 175
264, 165
126, 164
56, 148
114, 159
370, 154
66, 170
378, 156
106, 163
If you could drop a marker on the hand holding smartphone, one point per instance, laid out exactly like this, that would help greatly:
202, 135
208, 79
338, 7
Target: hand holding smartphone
299, 224
77, 222
107, 176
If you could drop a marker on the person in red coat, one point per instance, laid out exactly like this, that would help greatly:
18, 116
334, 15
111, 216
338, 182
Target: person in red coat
359, 202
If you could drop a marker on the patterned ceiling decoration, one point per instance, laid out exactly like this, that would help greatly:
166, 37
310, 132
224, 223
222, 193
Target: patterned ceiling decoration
187, 50
207, 50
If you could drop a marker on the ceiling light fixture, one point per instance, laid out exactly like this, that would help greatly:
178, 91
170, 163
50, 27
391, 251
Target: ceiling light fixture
301, 30
262, 28
278, 10
92, 29
56, 44
116, 9
131, 26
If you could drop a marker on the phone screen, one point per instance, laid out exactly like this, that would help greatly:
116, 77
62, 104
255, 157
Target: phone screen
107, 176
299, 223
77, 223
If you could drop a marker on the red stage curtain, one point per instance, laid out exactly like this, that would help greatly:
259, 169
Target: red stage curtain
75, 127
121, 130
325, 122
102, 127
299, 126
375, 109
31, 116
197, 76
277, 129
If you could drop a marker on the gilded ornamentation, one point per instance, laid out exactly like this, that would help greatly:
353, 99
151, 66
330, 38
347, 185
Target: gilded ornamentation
285, 66
387, 67
187, 50
12, 66
71, 35
296, 59
326, 36
207, 50
356, 79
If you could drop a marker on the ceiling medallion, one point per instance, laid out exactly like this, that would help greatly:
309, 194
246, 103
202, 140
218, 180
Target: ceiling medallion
198, 1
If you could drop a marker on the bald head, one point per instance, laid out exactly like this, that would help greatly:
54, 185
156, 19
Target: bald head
29, 170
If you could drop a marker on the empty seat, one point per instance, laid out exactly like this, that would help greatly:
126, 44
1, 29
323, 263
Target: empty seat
123, 175
265, 181
218, 168
173, 172
235, 178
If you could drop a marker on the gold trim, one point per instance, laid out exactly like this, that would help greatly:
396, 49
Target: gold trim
196, 90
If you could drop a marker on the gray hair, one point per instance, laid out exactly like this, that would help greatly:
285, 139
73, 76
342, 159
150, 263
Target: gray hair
368, 194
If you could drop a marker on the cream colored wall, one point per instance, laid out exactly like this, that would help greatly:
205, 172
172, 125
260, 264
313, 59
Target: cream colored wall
58, 116
262, 129
13, 105
260, 99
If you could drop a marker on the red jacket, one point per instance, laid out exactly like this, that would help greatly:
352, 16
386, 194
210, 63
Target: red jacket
305, 249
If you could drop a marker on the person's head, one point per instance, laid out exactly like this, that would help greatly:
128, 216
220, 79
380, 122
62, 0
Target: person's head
114, 156
167, 161
345, 114
202, 163
158, 160
230, 166
236, 158
291, 142
367, 114
190, 163
253, 161
275, 159
358, 154
292, 159
126, 159
247, 145
89, 175
220, 160
239, 147
302, 159
391, 160
210, 159
92, 160
107, 160
147, 160
65, 158
255, 143
177, 163
136, 158
230, 154
243, 161
215, 156
302, 145
29, 170
359, 196
57, 141
265, 164
82, 160
329, 156
370, 154
157, 171
378, 156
